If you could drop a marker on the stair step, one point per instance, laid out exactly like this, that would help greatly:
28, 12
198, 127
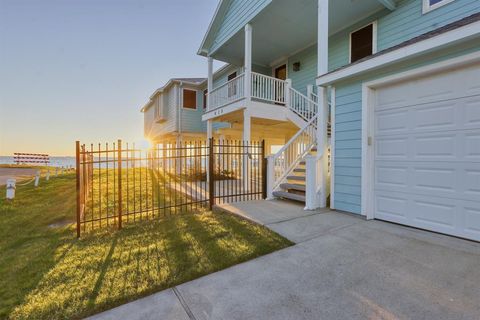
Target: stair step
293, 186
296, 178
299, 170
290, 196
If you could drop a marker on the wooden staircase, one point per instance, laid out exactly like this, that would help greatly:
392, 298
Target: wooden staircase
294, 187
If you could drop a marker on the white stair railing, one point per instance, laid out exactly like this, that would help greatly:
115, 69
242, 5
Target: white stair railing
285, 160
229, 92
268, 89
301, 105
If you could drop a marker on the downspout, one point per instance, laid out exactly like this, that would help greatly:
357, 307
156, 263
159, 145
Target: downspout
180, 109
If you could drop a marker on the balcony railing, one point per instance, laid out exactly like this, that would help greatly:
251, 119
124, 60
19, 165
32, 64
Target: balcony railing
268, 89
230, 92
263, 88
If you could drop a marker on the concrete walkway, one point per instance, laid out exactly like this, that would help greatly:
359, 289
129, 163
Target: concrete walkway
342, 267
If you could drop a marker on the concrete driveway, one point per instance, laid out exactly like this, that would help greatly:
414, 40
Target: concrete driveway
341, 268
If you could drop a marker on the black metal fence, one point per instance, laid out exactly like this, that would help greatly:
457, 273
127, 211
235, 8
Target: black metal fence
119, 184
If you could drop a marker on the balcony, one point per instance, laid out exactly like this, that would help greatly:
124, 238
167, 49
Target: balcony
263, 88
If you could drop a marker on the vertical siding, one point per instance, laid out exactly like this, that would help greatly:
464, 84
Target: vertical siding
308, 69
402, 24
348, 127
238, 14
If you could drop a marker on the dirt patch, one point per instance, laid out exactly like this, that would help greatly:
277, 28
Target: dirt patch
16, 173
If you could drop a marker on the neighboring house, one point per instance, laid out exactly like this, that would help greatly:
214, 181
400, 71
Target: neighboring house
174, 111
403, 82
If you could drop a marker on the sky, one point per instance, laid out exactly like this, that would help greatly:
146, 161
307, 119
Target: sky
82, 69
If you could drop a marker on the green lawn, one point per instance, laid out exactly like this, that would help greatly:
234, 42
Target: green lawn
46, 273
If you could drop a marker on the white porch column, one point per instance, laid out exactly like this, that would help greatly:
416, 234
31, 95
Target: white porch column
209, 129
288, 85
209, 81
322, 37
246, 140
248, 61
209, 136
322, 144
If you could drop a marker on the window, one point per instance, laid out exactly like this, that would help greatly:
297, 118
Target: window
189, 99
362, 42
429, 5
205, 95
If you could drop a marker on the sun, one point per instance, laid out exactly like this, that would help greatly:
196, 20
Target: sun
144, 145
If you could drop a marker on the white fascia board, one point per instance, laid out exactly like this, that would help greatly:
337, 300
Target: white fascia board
201, 51
448, 38
389, 4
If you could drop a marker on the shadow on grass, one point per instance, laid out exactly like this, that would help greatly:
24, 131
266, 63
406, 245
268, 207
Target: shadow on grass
49, 274
106, 269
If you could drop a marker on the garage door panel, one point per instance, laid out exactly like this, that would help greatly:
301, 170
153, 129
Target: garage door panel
392, 207
441, 146
471, 118
472, 219
434, 180
434, 147
392, 148
450, 180
427, 153
460, 114
455, 217
472, 146
436, 87
471, 179
436, 211
392, 122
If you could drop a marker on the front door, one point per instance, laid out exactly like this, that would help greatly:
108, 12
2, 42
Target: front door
280, 73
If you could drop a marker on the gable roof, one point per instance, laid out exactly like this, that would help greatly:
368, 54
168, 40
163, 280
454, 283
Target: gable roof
213, 27
191, 81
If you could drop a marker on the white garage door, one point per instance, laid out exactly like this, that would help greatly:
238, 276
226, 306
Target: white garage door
427, 153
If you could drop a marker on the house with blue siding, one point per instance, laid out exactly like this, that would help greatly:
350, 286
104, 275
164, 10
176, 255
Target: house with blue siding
378, 100
173, 112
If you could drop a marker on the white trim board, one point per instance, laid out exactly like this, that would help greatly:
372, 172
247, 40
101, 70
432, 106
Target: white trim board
368, 99
374, 38
458, 35
427, 7
333, 104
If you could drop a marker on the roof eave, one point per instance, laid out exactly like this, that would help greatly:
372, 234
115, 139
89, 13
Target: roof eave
203, 51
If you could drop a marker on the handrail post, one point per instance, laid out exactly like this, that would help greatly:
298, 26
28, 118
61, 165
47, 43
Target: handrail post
119, 160
288, 85
312, 199
270, 176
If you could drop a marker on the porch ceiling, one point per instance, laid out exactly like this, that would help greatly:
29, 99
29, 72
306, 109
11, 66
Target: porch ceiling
287, 26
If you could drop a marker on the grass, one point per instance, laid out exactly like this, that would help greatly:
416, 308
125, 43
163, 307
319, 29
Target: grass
46, 273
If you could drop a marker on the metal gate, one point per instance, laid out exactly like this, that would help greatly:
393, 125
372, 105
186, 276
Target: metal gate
121, 183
